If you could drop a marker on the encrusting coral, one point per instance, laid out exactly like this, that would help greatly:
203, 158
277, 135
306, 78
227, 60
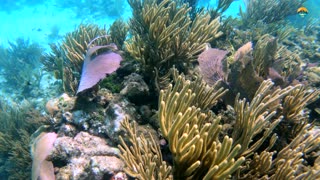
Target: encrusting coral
164, 35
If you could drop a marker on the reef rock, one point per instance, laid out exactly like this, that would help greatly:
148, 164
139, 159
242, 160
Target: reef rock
135, 88
116, 112
60, 104
86, 157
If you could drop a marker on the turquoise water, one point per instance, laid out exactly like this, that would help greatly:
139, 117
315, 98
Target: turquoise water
46, 21
29, 27
40, 23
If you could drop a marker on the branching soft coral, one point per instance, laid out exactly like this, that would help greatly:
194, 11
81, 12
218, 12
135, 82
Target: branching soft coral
193, 136
256, 117
20, 67
143, 158
200, 150
164, 35
268, 11
66, 60
18, 122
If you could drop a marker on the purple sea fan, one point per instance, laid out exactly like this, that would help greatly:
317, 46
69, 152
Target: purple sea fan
96, 69
212, 65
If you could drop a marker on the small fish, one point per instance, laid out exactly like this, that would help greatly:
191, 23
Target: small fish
27, 83
302, 11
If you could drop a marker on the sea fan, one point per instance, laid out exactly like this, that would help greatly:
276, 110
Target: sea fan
95, 69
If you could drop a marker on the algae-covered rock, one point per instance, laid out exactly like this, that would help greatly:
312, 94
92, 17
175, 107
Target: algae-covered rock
85, 157
116, 112
135, 88
62, 103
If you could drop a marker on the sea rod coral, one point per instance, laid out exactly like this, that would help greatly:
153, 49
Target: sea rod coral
164, 35
201, 151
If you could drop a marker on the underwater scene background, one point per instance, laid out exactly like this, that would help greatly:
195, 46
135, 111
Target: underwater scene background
159, 89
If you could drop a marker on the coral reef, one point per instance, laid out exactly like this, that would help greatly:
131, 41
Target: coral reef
135, 88
85, 156
98, 115
248, 154
112, 83
95, 69
18, 122
66, 59
247, 108
118, 32
164, 35
265, 60
77, 153
19, 66
268, 11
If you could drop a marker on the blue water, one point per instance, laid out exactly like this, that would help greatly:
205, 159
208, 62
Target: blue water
28, 27
37, 20
41, 23
41, 20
